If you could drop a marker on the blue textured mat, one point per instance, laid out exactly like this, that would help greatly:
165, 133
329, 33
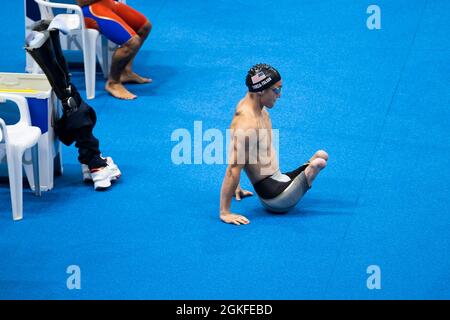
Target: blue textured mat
377, 101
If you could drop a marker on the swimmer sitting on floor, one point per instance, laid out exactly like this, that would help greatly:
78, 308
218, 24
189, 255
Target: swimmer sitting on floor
252, 150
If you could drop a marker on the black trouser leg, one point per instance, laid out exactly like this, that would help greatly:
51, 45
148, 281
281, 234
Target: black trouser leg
45, 58
54, 36
88, 148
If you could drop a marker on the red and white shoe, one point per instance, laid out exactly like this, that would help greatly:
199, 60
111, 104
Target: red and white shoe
102, 177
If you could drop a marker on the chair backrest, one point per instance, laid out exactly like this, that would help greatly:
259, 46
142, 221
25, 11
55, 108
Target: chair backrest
9, 112
49, 13
46, 12
22, 105
24, 119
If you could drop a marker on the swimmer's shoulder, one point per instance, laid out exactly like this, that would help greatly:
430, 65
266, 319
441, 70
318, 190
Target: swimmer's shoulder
241, 109
243, 118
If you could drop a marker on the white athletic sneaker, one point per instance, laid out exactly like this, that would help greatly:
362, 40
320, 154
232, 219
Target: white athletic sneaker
102, 177
114, 168
86, 173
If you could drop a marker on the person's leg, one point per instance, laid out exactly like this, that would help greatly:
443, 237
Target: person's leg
317, 162
102, 16
289, 194
142, 26
145, 30
315, 166
88, 149
99, 170
128, 75
320, 154
121, 57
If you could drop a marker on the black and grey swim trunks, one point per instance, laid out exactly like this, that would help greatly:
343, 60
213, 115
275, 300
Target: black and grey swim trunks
272, 186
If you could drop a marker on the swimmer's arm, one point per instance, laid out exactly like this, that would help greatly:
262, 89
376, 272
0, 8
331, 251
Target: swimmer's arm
241, 193
230, 182
229, 186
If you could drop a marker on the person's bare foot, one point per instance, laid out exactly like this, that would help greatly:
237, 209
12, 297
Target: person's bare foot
320, 154
131, 77
119, 91
313, 169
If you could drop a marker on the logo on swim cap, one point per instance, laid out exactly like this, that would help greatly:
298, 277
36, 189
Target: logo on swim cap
261, 77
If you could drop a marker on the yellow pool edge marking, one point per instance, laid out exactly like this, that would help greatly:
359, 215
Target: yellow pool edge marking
19, 90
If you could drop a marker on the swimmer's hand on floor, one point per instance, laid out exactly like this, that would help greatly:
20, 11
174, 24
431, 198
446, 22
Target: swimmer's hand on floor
241, 193
236, 219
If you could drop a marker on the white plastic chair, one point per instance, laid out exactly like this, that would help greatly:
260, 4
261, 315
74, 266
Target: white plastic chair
16, 139
88, 40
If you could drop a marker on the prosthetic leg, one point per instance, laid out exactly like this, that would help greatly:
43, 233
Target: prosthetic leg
78, 119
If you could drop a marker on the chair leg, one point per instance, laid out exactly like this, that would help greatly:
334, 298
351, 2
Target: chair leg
89, 56
35, 160
105, 56
15, 182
